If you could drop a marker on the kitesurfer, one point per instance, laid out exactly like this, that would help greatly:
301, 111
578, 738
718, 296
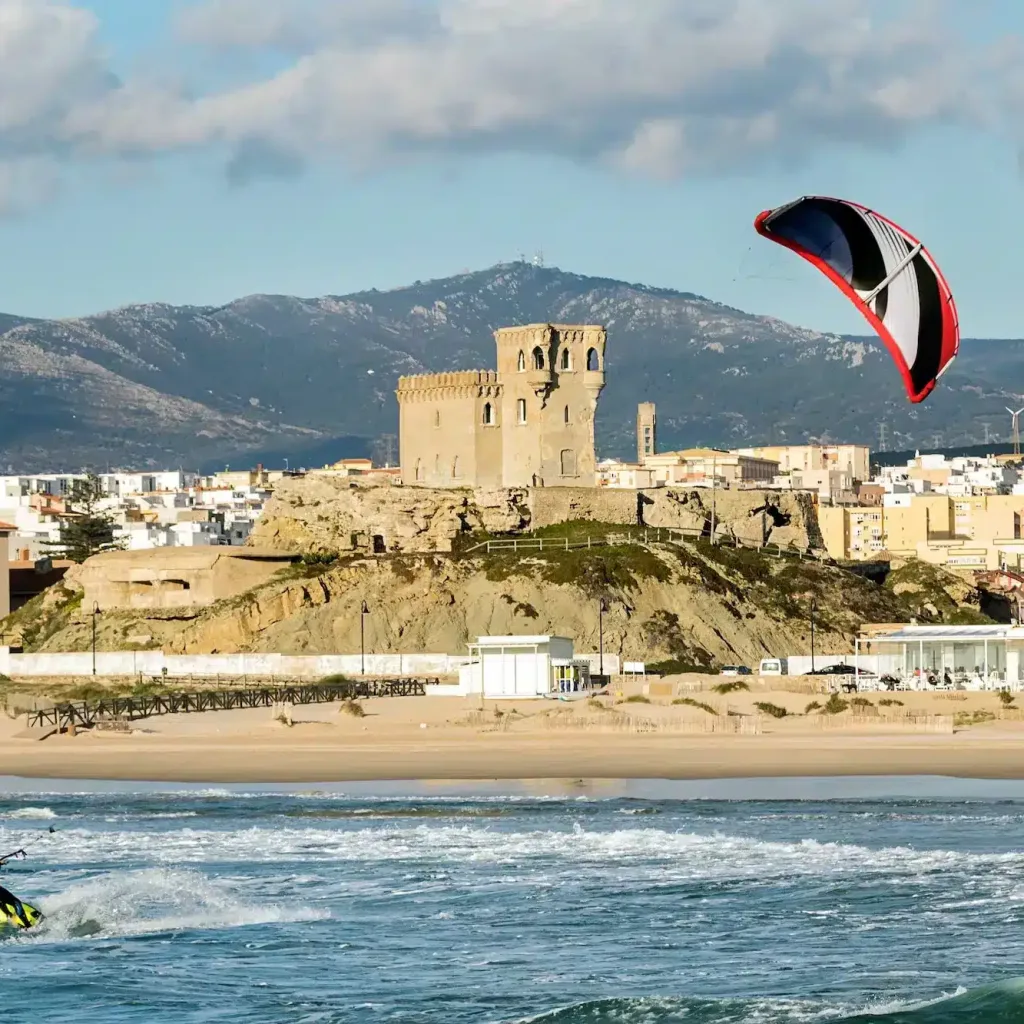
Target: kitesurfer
12, 911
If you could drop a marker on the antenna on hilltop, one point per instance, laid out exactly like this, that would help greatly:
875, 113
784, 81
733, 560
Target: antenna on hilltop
881, 437
1015, 419
538, 258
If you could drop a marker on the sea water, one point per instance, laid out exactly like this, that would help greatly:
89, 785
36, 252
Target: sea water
625, 904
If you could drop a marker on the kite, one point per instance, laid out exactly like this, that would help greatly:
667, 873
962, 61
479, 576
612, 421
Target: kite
885, 272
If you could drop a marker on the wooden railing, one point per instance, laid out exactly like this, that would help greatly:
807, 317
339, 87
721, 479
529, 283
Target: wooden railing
87, 713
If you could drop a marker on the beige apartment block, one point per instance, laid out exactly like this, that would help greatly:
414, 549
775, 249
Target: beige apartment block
530, 423
982, 532
853, 459
707, 466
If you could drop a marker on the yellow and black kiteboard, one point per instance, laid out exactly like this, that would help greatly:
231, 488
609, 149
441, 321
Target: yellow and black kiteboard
16, 914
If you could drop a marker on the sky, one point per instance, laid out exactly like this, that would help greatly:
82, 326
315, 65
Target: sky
195, 151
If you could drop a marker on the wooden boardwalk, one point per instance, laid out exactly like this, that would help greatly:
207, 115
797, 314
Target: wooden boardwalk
85, 714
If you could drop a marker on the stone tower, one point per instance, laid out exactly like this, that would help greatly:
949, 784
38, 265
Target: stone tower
646, 432
528, 424
552, 376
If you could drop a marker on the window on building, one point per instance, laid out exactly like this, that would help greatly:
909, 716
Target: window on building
565, 415
455, 467
592, 363
437, 465
521, 410
419, 469
437, 417
538, 358
522, 362
568, 460
488, 413
565, 359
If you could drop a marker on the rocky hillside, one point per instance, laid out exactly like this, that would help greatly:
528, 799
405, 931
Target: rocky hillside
675, 605
311, 379
332, 515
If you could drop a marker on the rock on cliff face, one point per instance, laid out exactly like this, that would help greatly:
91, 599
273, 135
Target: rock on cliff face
321, 513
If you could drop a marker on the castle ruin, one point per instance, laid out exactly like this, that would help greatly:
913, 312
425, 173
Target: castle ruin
530, 423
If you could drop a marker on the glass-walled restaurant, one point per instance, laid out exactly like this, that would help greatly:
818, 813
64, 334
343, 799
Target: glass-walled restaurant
943, 657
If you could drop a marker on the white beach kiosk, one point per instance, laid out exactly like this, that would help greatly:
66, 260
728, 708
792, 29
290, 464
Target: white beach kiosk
507, 667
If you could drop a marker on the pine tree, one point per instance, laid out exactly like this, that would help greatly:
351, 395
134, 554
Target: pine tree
85, 530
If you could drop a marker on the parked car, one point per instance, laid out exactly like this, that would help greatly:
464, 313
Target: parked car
835, 670
736, 670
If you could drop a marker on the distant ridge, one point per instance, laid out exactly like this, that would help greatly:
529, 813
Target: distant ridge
310, 379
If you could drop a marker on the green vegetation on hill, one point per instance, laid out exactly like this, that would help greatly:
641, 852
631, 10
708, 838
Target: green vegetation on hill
42, 617
930, 593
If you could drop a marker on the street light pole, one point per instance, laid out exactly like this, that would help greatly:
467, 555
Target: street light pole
601, 609
95, 612
814, 607
363, 612
714, 481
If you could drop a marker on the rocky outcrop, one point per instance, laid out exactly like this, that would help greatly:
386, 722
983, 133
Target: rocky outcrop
323, 513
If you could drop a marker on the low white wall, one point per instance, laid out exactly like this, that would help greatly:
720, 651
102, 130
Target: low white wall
178, 666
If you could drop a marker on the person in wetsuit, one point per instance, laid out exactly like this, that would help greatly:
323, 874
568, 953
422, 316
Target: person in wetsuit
11, 905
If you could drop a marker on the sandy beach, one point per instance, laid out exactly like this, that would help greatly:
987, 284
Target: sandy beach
450, 738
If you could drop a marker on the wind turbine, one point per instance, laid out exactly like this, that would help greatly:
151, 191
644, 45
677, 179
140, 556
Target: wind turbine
1015, 417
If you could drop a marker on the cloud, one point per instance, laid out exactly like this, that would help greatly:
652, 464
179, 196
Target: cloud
660, 87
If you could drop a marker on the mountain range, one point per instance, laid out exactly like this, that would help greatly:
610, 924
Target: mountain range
270, 377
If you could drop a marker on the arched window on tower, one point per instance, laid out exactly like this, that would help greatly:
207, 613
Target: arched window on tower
488, 414
592, 363
521, 410
437, 466
437, 417
566, 365
522, 362
419, 469
538, 358
565, 415
455, 468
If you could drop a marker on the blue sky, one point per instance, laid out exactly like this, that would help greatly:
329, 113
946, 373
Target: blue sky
138, 207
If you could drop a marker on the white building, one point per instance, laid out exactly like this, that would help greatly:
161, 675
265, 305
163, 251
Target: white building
629, 475
507, 667
948, 657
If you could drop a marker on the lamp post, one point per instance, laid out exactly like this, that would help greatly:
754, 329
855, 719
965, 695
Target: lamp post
95, 612
814, 608
714, 481
601, 609
363, 612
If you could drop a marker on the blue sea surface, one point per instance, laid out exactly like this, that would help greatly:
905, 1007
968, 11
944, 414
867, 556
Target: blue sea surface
614, 904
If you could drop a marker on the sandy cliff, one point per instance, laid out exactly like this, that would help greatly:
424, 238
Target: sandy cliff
693, 605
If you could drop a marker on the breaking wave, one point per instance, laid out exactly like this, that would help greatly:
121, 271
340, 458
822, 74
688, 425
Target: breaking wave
153, 901
30, 813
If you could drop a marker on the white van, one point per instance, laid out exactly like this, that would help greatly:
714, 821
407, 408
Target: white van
773, 667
